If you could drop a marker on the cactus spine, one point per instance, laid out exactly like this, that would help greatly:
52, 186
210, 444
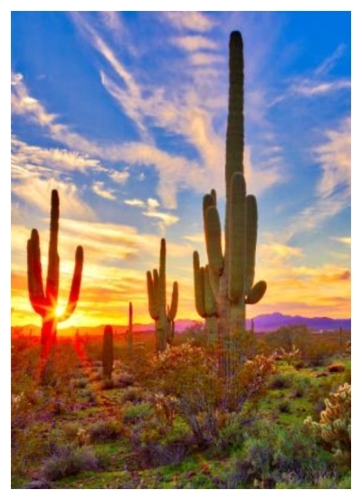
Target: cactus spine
162, 315
232, 273
130, 329
107, 356
205, 302
44, 302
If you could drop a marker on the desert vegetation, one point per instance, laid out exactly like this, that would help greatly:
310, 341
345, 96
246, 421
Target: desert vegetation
213, 407
161, 420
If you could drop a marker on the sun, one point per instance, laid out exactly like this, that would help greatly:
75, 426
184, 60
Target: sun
59, 310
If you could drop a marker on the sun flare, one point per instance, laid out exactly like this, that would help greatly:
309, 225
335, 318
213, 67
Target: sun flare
59, 311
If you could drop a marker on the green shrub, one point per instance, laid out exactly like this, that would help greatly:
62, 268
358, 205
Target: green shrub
134, 413
105, 430
68, 460
301, 386
270, 452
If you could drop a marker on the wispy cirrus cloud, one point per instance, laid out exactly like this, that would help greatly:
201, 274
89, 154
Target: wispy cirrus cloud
35, 191
318, 84
184, 111
60, 160
310, 88
330, 62
332, 193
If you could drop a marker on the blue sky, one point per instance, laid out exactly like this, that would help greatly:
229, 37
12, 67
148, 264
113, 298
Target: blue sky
125, 114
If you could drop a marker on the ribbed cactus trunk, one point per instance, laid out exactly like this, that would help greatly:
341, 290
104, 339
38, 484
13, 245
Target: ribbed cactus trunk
107, 355
45, 302
162, 315
232, 273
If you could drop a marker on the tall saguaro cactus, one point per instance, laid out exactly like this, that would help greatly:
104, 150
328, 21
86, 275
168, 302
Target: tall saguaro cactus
232, 272
45, 301
163, 315
205, 302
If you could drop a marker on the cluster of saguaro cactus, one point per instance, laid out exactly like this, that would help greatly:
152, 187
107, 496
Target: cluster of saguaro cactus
232, 273
205, 302
162, 314
45, 301
129, 334
107, 355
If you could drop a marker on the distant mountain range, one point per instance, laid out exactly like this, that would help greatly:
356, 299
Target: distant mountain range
271, 322
262, 323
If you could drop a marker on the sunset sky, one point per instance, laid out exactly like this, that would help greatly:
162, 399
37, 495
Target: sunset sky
124, 113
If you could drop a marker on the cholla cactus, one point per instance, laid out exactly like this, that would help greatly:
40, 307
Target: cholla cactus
162, 314
334, 427
290, 357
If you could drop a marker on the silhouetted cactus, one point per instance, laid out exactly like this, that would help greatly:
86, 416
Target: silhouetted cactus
232, 273
130, 329
107, 355
162, 315
45, 302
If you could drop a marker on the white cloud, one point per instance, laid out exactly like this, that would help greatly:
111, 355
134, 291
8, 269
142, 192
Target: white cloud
346, 240
135, 202
119, 177
204, 59
195, 21
100, 189
152, 203
194, 43
167, 219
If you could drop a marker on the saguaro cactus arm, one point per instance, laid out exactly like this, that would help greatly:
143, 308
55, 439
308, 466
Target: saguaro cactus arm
75, 287
172, 310
35, 281
251, 236
152, 289
199, 286
256, 293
